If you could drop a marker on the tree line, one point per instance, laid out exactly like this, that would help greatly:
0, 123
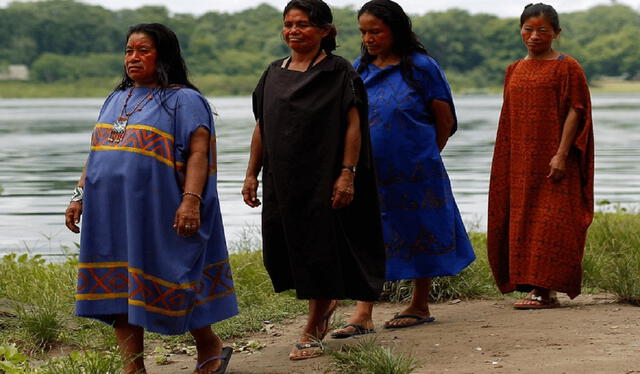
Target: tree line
64, 40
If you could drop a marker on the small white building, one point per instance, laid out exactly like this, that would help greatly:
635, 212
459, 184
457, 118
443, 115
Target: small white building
15, 73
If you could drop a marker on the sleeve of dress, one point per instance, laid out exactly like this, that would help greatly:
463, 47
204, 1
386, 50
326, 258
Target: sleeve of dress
192, 111
105, 105
434, 85
575, 92
258, 95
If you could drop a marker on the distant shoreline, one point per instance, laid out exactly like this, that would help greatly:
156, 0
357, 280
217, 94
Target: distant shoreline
225, 86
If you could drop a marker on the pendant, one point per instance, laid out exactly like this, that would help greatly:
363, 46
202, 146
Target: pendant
120, 124
118, 129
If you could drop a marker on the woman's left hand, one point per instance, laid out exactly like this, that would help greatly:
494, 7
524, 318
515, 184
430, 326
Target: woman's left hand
557, 168
343, 190
187, 220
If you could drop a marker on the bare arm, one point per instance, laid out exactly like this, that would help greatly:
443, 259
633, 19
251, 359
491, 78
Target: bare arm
444, 121
187, 219
250, 187
74, 210
558, 162
343, 188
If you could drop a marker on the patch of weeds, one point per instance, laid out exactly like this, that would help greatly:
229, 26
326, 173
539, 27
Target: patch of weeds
12, 361
88, 362
41, 325
369, 357
612, 255
473, 282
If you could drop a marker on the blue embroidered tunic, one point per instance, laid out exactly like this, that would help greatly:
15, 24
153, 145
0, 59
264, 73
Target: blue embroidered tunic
131, 259
423, 231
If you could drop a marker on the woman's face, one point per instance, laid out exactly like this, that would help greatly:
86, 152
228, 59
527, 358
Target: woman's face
140, 59
300, 34
376, 35
538, 35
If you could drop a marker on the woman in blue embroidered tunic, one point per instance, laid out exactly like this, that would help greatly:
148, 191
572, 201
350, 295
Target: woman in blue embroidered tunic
153, 253
411, 116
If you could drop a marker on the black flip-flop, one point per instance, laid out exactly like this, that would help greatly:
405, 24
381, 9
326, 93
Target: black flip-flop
225, 357
419, 321
358, 330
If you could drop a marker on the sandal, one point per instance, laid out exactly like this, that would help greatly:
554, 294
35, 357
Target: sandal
532, 301
307, 350
224, 358
398, 317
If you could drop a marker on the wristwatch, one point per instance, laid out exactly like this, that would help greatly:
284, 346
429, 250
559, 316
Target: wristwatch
78, 194
351, 168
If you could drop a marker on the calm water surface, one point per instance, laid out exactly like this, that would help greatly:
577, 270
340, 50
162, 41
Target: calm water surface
44, 143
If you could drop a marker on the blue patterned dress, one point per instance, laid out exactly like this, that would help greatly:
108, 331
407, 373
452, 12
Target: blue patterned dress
423, 231
131, 259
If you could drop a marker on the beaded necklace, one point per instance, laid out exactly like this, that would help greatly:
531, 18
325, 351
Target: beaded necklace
120, 125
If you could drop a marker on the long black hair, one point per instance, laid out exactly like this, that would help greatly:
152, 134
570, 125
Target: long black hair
319, 15
540, 9
405, 41
170, 66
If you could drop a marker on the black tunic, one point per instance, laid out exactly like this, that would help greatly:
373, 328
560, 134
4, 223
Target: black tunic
308, 246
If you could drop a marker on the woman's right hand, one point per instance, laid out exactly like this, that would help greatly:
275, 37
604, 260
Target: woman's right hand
250, 192
72, 216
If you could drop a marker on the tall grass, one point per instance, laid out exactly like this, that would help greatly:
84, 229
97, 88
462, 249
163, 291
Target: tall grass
369, 357
612, 255
41, 295
473, 282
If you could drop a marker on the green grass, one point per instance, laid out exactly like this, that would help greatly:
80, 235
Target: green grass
614, 86
370, 357
475, 281
612, 255
42, 298
210, 85
41, 294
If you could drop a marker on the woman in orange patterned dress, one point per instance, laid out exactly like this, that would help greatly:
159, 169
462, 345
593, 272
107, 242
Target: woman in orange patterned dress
541, 190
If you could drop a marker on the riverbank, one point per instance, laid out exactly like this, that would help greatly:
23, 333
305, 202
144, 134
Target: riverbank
590, 334
214, 85
37, 302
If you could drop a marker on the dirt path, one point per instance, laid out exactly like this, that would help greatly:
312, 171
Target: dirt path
590, 334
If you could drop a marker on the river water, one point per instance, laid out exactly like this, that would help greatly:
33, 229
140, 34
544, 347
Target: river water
44, 143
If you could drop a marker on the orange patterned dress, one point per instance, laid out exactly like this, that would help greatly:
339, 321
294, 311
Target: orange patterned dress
537, 227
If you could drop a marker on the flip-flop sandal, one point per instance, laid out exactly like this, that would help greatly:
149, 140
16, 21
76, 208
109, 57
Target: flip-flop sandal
317, 351
357, 330
418, 321
224, 358
537, 302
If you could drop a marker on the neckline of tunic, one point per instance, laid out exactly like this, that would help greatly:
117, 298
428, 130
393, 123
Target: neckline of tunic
311, 68
561, 57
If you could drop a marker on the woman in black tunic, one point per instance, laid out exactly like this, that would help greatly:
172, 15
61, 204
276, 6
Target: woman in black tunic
320, 221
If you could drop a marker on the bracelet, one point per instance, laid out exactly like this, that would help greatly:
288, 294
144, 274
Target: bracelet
78, 194
192, 194
351, 168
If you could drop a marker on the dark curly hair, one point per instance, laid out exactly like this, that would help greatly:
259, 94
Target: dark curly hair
171, 68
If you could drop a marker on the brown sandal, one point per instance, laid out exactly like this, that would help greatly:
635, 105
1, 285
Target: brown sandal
532, 301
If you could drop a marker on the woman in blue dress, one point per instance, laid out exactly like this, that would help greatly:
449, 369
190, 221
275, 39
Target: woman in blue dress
153, 254
411, 116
